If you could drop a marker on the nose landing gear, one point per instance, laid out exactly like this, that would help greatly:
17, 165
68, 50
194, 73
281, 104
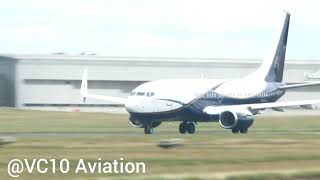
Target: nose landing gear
148, 130
185, 127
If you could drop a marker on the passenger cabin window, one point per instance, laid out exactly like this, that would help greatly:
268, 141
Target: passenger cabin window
148, 94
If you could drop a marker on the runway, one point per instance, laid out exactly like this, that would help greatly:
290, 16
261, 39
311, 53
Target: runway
131, 133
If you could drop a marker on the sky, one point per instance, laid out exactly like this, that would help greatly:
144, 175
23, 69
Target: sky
164, 28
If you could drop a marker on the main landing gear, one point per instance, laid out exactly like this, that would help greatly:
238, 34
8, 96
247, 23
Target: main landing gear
185, 127
237, 130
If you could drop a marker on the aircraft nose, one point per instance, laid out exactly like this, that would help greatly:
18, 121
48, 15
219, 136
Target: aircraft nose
130, 106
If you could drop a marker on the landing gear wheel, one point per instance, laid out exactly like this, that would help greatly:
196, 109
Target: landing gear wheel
183, 128
243, 131
191, 128
235, 130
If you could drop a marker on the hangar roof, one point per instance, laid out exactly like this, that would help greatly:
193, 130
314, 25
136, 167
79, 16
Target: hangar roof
93, 57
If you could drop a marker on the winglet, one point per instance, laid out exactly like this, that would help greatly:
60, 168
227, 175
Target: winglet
84, 85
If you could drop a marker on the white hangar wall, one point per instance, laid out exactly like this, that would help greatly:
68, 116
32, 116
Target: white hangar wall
53, 81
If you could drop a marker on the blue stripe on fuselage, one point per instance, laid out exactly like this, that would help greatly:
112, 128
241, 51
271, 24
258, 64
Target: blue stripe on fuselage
194, 111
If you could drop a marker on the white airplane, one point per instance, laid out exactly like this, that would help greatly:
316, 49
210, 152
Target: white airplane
232, 103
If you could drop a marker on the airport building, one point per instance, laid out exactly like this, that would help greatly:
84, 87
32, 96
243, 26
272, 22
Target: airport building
52, 82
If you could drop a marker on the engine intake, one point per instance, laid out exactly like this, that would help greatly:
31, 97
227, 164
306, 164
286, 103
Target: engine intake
139, 124
233, 120
228, 119
309, 106
135, 123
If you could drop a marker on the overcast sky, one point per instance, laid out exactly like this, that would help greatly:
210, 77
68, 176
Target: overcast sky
180, 28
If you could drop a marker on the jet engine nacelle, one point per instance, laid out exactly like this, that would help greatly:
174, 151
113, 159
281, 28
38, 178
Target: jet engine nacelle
230, 120
309, 106
139, 124
135, 122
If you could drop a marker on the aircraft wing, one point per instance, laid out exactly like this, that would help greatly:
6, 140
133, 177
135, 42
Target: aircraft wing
84, 92
213, 110
300, 85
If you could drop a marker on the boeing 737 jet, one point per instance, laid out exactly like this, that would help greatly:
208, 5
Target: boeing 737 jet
232, 103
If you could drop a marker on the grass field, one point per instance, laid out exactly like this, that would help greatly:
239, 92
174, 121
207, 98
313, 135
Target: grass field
275, 147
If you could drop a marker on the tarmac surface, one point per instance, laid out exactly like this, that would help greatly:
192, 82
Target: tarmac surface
124, 133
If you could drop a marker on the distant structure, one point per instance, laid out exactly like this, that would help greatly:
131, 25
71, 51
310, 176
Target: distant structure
52, 82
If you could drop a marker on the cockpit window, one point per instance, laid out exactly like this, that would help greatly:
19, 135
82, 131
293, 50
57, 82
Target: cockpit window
133, 93
140, 93
149, 94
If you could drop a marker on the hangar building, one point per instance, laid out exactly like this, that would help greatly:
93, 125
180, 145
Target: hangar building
52, 82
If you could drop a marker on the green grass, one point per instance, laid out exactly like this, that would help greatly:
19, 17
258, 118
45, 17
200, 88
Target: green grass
274, 148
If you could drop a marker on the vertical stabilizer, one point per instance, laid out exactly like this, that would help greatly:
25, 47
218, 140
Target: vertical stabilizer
271, 69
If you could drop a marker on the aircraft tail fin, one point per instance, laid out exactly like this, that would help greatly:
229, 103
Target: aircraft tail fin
271, 69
